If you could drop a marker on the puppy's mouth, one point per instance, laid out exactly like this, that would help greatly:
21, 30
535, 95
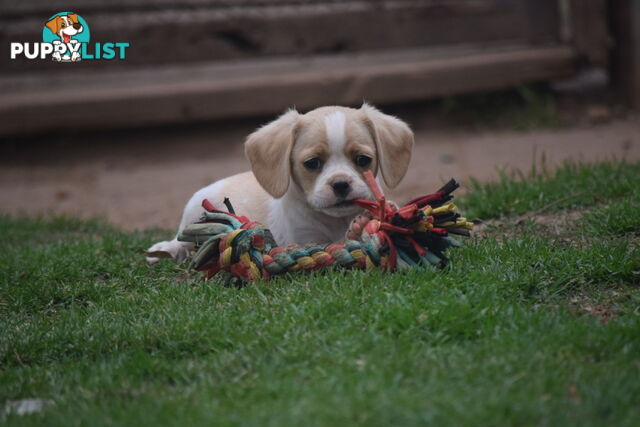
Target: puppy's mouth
343, 203
66, 37
341, 208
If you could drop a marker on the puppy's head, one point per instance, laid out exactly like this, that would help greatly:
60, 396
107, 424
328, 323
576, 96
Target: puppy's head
325, 152
65, 25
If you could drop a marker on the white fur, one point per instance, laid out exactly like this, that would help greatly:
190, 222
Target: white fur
334, 125
292, 220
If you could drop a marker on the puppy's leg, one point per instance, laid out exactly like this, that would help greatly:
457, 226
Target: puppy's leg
169, 249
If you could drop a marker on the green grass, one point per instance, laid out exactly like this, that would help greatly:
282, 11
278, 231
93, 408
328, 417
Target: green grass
523, 108
531, 327
542, 191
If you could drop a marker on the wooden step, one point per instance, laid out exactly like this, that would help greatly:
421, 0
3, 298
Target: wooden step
170, 31
198, 92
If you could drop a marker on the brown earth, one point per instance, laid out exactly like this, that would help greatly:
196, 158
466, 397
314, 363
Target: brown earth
141, 179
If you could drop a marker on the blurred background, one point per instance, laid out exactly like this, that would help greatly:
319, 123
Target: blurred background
487, 85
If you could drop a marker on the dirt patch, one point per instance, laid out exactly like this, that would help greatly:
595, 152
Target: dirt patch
603, 308
140, 180
556, 224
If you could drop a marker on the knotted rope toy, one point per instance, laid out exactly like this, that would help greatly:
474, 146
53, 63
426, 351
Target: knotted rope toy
415, 235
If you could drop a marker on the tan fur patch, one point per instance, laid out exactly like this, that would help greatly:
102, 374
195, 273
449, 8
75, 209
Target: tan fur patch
394, 143
269, 149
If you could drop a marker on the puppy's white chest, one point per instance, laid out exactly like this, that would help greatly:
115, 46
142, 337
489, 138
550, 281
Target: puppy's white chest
296, 224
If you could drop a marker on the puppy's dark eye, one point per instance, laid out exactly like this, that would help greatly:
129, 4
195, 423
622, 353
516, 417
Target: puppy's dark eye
313, 164
362, 160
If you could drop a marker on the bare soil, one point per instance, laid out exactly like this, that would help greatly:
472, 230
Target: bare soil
142, 179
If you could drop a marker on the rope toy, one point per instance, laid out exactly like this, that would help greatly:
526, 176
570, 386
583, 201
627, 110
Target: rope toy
415, 235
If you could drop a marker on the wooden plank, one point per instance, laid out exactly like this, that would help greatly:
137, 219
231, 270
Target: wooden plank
15, 8
181, 94
625, 64
162, 35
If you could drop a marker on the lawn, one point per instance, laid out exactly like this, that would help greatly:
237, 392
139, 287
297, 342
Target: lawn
536, 322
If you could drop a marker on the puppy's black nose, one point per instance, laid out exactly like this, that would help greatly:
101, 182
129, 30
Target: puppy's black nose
341, 188
77, 26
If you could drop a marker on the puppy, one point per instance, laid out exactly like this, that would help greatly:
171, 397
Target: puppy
65, 27
305, 171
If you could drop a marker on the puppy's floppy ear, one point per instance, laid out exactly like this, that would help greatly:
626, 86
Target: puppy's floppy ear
73, 17
54, 25
394, 142
269, 150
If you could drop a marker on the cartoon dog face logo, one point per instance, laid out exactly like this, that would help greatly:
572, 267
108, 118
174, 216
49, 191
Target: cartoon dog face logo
65, 26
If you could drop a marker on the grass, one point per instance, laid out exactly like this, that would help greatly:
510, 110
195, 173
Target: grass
525, 107
528, 327
569, 186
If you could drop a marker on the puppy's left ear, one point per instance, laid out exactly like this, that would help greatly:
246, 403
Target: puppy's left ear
73, 17
269, 150
394, 142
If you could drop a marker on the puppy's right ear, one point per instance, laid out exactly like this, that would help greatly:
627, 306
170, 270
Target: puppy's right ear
269, 150
54, 25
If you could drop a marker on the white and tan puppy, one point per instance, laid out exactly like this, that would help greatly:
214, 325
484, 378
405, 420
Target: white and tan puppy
305, 171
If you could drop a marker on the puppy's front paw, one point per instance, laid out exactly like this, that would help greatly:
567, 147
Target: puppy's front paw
168, 249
